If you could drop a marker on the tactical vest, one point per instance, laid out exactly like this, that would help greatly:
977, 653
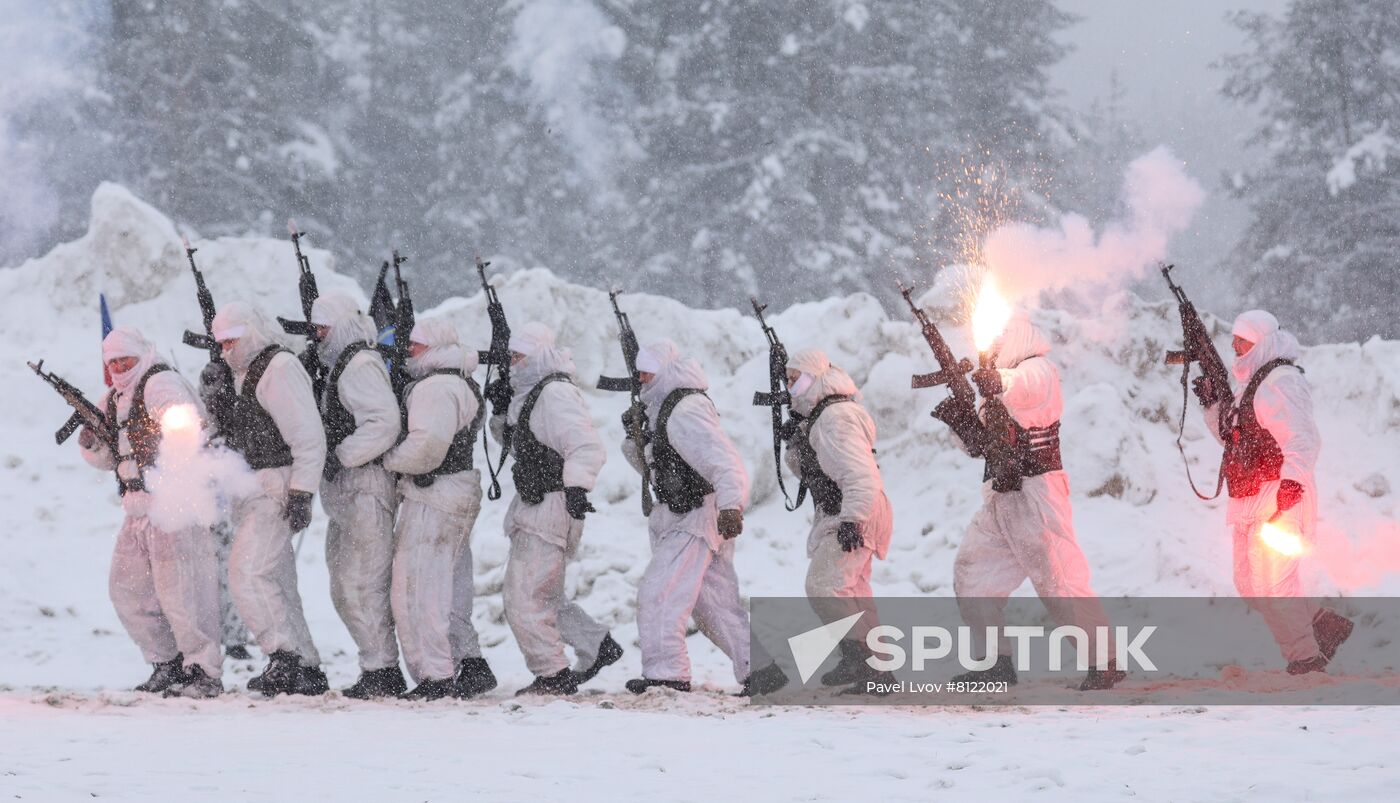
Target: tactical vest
339, 422
677, 485
826, 494
250, 430
1037, 450
537, 469
1253, 456
459, 454
142, 432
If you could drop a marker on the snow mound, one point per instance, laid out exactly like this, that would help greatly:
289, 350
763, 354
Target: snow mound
1143, 530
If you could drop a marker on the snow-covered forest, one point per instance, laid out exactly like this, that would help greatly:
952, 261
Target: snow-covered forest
702, 150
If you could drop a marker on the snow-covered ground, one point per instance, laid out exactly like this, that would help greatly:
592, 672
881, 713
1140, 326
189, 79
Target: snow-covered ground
68, 730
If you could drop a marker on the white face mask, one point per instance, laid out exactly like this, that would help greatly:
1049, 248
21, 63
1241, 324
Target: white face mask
801, 386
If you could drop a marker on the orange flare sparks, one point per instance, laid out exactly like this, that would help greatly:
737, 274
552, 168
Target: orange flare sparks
990, 315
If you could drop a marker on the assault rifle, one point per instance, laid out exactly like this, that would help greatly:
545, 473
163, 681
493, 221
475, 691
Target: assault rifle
1198, 348
306, 287
776, 399
497, 358
403, 327
959, 411
85, 413
217, 376
636, 417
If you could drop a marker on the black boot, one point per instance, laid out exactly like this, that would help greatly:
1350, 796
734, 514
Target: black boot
1003, 671
562, 682
640, 685
1099, 681
386, 682
238, 652
281, 676
1330, 629
430, 690
311, 681
164, 675
197, 686
255, 683
1317, 663
608, 653
474, 678
852, 666
763, 681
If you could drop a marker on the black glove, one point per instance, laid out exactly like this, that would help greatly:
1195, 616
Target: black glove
333, 466
298, 512
630, 419
1289, 493
216, 390
1205, 390
576, 502
731, 523
791, 428
849, 537
988, 381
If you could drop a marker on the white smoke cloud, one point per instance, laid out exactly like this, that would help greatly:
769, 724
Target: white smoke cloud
192, 482
41, 45
1159, 200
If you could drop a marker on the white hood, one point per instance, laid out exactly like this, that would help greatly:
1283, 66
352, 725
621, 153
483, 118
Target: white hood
1270, 343
250, 329
672, 371
348, 325
125, 341
1020, 340
827, 380
542, 358
444, 349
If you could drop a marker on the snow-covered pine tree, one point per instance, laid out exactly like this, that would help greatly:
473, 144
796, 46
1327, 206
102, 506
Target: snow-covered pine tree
1321, 250
216, 108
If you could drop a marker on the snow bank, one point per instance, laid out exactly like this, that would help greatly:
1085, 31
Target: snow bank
1143, 530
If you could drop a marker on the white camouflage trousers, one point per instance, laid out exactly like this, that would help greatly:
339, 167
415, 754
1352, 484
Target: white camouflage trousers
541, 620
684, 578
263, 571
165, 588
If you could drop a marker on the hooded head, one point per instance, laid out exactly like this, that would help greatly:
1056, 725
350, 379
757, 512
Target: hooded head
443, 349
1270, 343
817, 379
1019, 341
129, 349
539, 356
669, 370
344, 323
242, 331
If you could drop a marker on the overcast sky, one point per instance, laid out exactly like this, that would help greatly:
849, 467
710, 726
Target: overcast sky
1162, 50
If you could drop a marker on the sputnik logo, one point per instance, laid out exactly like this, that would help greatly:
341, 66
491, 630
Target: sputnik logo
811, 649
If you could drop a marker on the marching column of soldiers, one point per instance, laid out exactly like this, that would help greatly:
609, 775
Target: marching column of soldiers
388, 437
